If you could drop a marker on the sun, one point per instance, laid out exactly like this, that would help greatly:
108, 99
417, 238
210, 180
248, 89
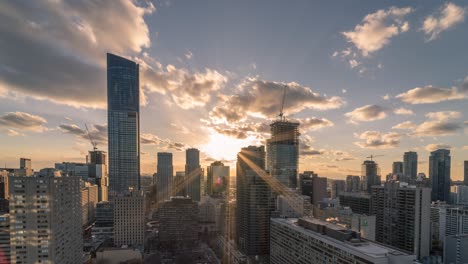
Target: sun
222, 147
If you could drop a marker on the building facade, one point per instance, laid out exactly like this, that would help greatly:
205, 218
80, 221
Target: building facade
217, 178
5, 251
439, 174
104, 226
359, 203
193, 173
410, 164
397, 167
123, 119
129, 220
164, 176
353, 183
370, 175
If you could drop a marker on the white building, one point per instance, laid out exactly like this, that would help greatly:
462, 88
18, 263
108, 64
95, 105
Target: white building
45, 219
303, 206
309, 240
129, 220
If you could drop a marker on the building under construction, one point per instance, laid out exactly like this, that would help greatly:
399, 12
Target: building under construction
283, 152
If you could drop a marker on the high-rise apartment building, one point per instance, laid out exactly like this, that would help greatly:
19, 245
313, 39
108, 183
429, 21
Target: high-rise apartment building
439, 174
314, 186
359, 203
283, 152
123, 120
353, 183
97, 172
410, 164
312, 241
89, 199
129, 220
5, 251
465, 179
460, 195
337, 187
164, 176
370, 175
455, 249
253, 204
45, 219
402, 217
217, 178
104, 226
4, 191
397, 168
456, 221
193, 173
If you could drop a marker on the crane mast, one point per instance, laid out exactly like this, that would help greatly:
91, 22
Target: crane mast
91, 139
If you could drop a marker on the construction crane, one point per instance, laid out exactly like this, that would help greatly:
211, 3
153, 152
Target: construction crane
373, 156
94, 143
281, 114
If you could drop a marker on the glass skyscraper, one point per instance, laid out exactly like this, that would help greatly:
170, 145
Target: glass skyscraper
123, 119
410, 164
439, 174
193, 173
164, 175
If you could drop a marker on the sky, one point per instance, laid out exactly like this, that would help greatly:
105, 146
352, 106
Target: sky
366, 77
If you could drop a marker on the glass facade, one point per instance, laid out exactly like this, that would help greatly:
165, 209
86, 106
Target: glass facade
123, 123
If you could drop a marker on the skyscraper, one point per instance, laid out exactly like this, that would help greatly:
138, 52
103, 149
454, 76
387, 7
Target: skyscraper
465, 180
97, 170
410, 164
164, 176
193, 173
217, 178
283, 152
253, 204
397, 168
123, 119
370, 174
129, 220
439, 174
353, 183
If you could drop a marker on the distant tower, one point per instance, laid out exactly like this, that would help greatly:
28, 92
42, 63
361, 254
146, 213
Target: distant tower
397, 168
439, 174
465, 181
123, 119
193, 173
97, 169
370, 174
217, 178
410, 165
164, 176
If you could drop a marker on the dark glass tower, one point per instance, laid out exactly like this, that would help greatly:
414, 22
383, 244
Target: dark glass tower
165, 173
410, 165
193, 173
439, 173
123, 119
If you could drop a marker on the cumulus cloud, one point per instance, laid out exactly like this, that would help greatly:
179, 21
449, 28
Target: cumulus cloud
403, 111
306, 149
429, 94
378, 140
367, 113
447, 17
71, 37
407, 125
97, 132
314, 123
22, 121
439, 124
163, 144
259, 98
432, 147
378, 28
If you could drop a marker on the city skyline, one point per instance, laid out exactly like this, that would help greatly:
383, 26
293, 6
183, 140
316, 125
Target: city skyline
217, 93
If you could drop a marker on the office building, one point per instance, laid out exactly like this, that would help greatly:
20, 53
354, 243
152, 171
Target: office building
465, 179
313, 186
370, 175
283, 152
455, 249
303, 206
193, 173
45, 219
179, 219
456, 221
460, 195
364, 225
353, 183
129, 220
410, 164
97, 172
89, 199
439, 174
5, 252
123, 121
104, 226
309, 240
179, 184
397, 168
217, 178
164, 175
4, 191
438, 223
253, 204
402, 217
359, 203
337, 187
73, 169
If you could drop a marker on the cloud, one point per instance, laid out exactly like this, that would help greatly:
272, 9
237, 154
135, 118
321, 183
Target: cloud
97, 132
432, 147
13, 133
377, 29
314, 123
186, 89
71, 39
439, 124
188, 55
232, 133
407, 125
377, 140
403, 111
259, 98
22, 121
447, 17
163, 144
429, 94
465, 147
367, 113
306, 149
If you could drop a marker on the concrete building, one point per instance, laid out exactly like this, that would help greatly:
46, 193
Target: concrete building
217, 178
465, 178
179, 184
313, 186
282, 154
370, 175
410, 164
364, 224
353, 183
286, 210
193, 173
253, 204
337, 187
456, 221
309, 240
455, 249
178, 219
89, 199
5, 251
438, 222
439, 174
164, 176
104, 226
4, 191
460, 195
402, 217
359, 203
45, 219
397, 167
129, 220
123, 123
97, 173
